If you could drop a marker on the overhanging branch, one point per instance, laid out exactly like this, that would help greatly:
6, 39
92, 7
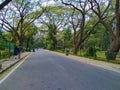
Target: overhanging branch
3, 4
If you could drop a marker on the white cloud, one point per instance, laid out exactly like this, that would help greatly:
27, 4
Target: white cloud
34, 0
48, 3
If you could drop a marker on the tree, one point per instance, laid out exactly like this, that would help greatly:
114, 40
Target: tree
52, 42
21, 15
29, 36
17, 18
109, 16
54, 21
67, 35
80, 31
105, 40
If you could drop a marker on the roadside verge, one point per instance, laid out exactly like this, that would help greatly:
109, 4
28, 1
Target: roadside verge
102, 64
5, 65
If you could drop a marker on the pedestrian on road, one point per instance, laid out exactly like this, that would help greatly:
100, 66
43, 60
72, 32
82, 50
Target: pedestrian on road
67, 51
33, 49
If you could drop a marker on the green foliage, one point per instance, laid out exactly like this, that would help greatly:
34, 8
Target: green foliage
26, 30
4, 54
49, 38
50, 45
7, 36
98, 49
110, 55
105, 40
3, 44
99, 38
91, 51
67, 37
93, 40
35, 14
57, 9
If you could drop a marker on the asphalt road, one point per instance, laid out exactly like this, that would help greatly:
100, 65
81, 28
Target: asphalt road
44, 70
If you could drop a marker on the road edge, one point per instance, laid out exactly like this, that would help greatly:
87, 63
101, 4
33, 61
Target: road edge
5, 69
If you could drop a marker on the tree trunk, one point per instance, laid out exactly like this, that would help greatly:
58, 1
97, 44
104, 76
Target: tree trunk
20, 47
115, 42
54, 37
114, 49
21, 42
27, 45
76, 51
54, 43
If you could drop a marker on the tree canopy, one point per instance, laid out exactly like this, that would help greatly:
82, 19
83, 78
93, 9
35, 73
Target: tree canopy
64, 23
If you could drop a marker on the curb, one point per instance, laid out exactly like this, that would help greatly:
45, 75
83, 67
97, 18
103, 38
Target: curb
5, 69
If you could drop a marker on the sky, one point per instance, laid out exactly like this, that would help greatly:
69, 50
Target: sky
47, 2
44, 2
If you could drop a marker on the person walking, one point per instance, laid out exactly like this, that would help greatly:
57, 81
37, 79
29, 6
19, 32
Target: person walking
16, 52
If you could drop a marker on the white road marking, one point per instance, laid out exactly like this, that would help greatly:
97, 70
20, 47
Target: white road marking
2, 80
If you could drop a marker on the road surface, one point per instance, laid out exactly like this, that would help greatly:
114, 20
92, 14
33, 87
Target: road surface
44, 70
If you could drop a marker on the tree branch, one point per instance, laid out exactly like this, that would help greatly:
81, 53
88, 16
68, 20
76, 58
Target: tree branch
3, 4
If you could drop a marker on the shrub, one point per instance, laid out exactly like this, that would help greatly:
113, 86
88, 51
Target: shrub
4, 54
98, 49
91, 51
110, 55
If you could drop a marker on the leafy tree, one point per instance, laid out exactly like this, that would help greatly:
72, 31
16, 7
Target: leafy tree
105, 40
47, 41
80, 31
53, 19
109, 16
29, 36
20, 17
67, 34
99, 37
91, 51
51, 38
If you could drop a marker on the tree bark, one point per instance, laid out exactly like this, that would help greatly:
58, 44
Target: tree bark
115, 40
3, 4
114, 49
76, 49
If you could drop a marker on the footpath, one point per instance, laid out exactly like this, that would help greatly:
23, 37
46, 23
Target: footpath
9, 62
101, 64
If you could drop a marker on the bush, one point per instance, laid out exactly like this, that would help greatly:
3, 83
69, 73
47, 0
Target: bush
4, 54
98, 49
110, 55
91, 51
50, 47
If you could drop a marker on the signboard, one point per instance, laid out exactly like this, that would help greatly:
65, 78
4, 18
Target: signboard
11, 47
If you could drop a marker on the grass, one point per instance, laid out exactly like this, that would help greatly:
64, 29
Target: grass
100, 56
